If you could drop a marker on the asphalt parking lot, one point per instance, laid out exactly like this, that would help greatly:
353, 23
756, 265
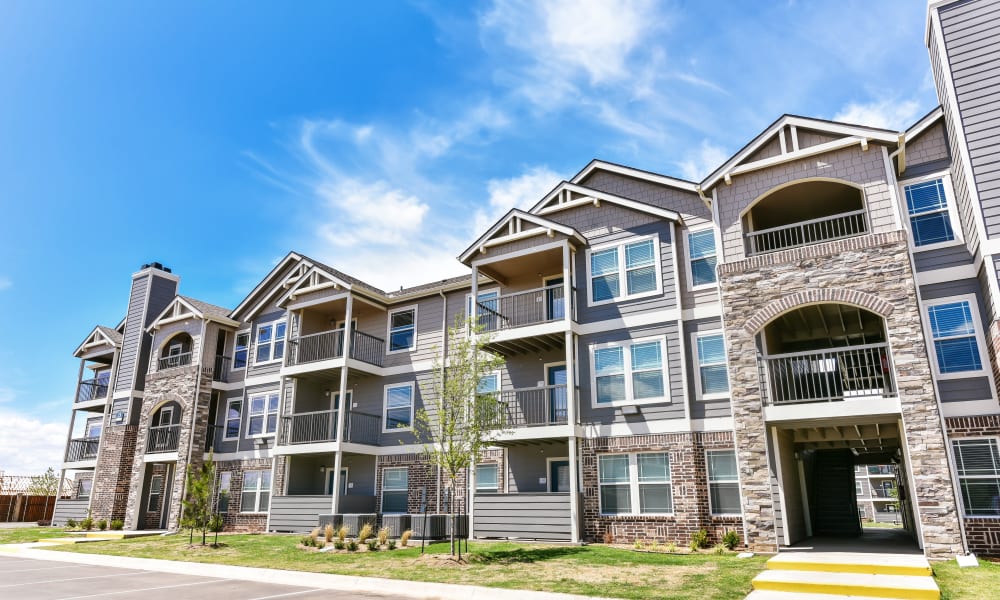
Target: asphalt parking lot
31, 579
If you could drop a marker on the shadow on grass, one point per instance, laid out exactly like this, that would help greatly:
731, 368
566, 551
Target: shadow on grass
523, 555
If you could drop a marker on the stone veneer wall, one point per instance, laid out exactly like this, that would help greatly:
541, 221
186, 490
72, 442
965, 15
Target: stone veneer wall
236, 520
178, 385
689, 490
872, 271
112, 475
982, 533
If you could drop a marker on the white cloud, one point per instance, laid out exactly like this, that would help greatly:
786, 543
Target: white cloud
29, 445
887, 113
521, 192
702, 161
5, 283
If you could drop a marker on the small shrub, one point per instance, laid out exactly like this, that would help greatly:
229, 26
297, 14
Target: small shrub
342, 533
352, 546
637, 544
339, 544
391, 544
731, 539
44, 523
383, 536
102, 524
719, 549
365, 533
609, 538
672, 548
71, 523
87, 524
320, 544
373, 545
314, 534
328, 532
117, 524
308, 541
699, 539
405, 538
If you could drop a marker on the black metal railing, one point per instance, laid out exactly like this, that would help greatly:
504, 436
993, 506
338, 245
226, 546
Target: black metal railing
92, 389
82, 449
213, 434
163, 438
363, 428
528, 407
315, 347
221, 370
880, 493
529, 307
829, 375
880, 470
174, 361
367, 348
309, 428
824, 229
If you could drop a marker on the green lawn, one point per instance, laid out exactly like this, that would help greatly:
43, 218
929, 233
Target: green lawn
21, 535
590, 570
967, 584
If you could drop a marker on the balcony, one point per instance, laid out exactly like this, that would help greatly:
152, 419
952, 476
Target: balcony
321, 426
328, 345
174, 361
163, 438
81, 449
830, 375
92, 389
530, 407
834, 227
520, 309
220, 372
881, 471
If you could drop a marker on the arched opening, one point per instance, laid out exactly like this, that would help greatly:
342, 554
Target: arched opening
804, 213
176, 352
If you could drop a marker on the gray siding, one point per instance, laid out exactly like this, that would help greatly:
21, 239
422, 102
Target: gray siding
527, 466
970, 30
268, 368
942, 258
702, 409
298, 513
958, 390
70, 509
648, 412
132, 339
530, 516
957, 288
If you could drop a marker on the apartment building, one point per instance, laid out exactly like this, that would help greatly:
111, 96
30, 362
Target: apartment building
875, 488
718, 355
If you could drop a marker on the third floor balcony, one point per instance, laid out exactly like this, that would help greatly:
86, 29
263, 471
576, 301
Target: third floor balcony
329, 345
92, 389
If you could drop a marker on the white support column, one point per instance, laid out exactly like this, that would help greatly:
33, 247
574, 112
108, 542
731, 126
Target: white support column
471, 496
569, 307
338, 455
572, 419
475, 293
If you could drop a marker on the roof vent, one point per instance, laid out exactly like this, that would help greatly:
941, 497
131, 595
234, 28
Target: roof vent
155, 265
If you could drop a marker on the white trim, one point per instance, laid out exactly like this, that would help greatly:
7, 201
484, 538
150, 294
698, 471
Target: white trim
479, 468
666, 180
952, 209
274, 341
969, 408
261, 380
977, 327
702, 311
736, 480
633, 485
691, 287
596, 197
548, 472
385, 405
479, 262
626, 346
344, 478
257, 492
225, 419
817, 411
619, 245
923, 124
696, 364
947, 274
382, 490
388, 330
249, 333
958, 477
266, 397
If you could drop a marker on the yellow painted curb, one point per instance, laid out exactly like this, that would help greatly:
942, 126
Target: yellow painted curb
846, 589
863, 568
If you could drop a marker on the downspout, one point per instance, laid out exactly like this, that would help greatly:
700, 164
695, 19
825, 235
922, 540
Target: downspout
194, 415
444, 355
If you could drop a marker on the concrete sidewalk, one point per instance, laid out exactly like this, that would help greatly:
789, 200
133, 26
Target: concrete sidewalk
374, 585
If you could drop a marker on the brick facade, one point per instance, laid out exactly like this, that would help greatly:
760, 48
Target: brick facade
981, 533
110, 492
421, 474
235, 519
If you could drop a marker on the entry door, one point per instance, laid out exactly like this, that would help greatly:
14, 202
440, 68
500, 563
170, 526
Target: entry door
556, 375
555, 304
343, 482
559, 475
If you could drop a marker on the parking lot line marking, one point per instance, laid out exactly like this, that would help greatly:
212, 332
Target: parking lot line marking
288, 594
70, 579
39, 569
161, 587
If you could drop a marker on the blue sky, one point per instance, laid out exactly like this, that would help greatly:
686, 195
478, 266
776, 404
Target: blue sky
378, 136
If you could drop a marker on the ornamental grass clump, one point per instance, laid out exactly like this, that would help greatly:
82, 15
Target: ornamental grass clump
365, 533
328, 532
342, 534
405, 538
383, 536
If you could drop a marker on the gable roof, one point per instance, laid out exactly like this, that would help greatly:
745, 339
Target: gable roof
559, 199
265, 283
514, 216
183, 307
610, 167
99, 336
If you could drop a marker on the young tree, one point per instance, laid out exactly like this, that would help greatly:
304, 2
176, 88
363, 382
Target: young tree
198, 504
46, 484
458, 422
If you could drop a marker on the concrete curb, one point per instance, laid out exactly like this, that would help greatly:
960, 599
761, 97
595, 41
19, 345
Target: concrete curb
351, 583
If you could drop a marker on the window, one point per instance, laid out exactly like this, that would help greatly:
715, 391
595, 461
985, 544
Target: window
93, 428
635, 483
241, 350
629, 373
85, 486
263, 415
394, 490
702, 258
398, 412
858, 491
488, 317
723, 485
927, 207
155, 491
625, 271
256, 491
270, 342
233, 410
402, 330
978, 463
225, 481
712, 379
487, 478
955, 336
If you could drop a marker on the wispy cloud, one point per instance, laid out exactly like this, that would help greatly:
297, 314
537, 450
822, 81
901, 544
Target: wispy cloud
702, 161
887, 113
521, 192
29, 444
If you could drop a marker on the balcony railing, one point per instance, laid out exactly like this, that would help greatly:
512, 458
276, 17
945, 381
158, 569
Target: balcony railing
529, 407
363, 428
530, 307
221, 371
212, 435
882, 494
172, 362
803, 233
163, 438
82, 449
92, 389
321, 426
828, 375
327, 345
881, 470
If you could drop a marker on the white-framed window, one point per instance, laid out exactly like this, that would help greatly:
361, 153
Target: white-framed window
397, 409
256, 496
957, 335
623, 271
86, 485
92, 430
978, 464
629, 372
931, 212
712, 379
402, 334
486, 309
637, 483
222, 493
233, 420
858, 489
395, 490
487, 478
262, 418
723, 483
241, 351
270, 345
702, 258
155, 491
